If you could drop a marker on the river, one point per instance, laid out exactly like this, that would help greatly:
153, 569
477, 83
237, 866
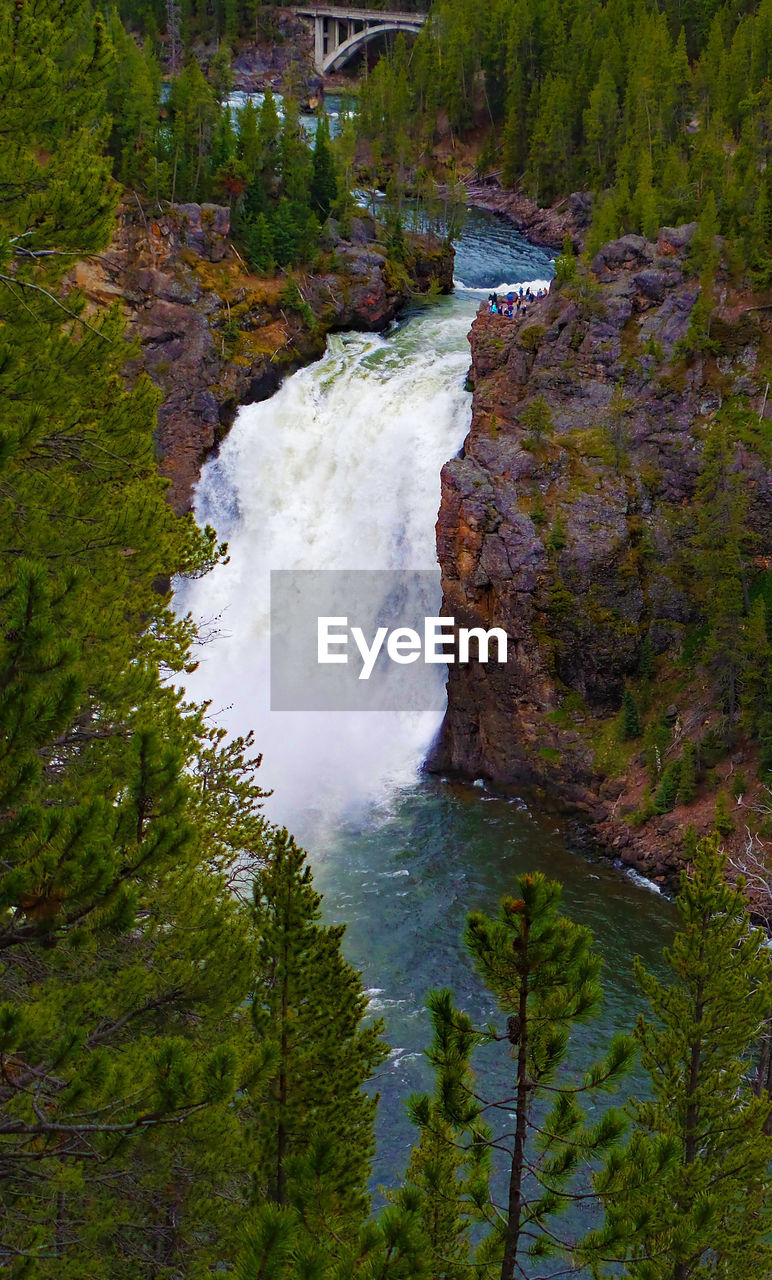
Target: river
340, 469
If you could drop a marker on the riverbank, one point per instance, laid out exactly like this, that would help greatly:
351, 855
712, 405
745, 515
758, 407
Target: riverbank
547, 227
213, 336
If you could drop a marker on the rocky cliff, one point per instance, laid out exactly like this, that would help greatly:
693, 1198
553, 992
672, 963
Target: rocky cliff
566, 521
212, 336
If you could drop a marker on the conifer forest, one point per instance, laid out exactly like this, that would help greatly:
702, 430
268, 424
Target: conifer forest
235, 293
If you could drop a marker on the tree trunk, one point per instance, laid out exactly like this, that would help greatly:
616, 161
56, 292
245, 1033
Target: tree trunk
281, 1131
60, 1225
521, 1111
682, 1270
763, 1082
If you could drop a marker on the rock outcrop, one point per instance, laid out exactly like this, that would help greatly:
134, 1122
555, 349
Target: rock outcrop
562, 522
570, 216
212, 336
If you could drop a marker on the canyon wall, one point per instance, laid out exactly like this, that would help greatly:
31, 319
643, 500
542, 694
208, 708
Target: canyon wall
213, 336
565, 520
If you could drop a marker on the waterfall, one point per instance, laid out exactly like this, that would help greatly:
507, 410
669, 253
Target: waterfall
340, 469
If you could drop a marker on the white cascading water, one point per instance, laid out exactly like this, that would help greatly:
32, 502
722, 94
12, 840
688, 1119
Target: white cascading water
339, 470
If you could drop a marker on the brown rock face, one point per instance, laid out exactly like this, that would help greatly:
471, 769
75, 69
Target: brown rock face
548, 227
212, 336
559, 521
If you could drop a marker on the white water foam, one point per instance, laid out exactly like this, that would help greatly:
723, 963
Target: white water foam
533, 285
642, 882
339, 470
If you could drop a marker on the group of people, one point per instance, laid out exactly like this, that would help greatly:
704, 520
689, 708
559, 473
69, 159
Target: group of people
515, 303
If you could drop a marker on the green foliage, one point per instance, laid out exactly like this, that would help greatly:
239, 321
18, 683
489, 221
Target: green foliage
646, 658
303, 981
557, 536
531, 336
691, 1194
139, 1101
324, 182
690, 843
126, 956
449, 1179
718, 566
698, 340
656, 742
722, 821
615, 426
543, 974
538, 512
662, 111
667, 791
629, 719
565, 264
192, 147
754, 667
294, 301
258, 244
536, 417
312, 1127
687, 777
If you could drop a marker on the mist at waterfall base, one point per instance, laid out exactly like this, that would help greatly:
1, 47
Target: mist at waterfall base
341, 469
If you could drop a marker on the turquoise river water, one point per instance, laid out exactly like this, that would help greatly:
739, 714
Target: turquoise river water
340, 469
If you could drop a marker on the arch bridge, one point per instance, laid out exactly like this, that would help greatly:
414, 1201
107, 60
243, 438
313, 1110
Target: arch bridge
340, 33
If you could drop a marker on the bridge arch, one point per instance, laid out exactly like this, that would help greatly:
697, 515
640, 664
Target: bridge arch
346, 50
339, 33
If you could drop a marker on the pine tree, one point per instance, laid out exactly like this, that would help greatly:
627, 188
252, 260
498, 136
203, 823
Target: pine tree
294, 156
324, 183
287, 234
133, 104
258, 241
645, 200
193, 115
542, 971
681, 81
312, 1133
536, 417
601, 119
754, 671
248, 139
629, 720
722, 821
268, 137
125, 958
221, 75
708, 1211
667, 791
449, 1173
687, 777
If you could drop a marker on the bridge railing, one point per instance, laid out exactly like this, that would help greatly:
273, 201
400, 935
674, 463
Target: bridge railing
339, 32
360, 15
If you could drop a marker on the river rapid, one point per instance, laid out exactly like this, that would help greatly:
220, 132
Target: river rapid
341, 469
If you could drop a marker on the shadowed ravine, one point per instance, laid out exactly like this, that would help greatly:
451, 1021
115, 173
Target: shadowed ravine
340, 469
